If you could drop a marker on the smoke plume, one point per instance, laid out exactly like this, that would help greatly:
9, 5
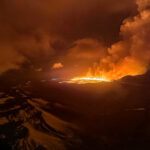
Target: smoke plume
39, 32
131, 55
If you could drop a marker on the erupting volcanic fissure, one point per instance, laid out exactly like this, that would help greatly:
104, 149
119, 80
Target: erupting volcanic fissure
128, 57
111, 72
83, 80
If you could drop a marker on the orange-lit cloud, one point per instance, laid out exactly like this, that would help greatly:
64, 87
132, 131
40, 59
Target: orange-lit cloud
9, 58
87, 49
57, 66
131, 55
36, 32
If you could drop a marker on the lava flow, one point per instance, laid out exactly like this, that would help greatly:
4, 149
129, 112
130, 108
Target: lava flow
99, 72
83, 80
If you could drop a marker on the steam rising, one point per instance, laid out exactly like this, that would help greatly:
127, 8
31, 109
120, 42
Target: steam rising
131, 55
35, 32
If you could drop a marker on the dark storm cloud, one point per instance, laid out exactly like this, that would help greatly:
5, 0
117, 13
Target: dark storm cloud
37, 30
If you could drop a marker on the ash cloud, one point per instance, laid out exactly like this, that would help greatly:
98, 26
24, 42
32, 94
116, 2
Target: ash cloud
39, 31
131, 55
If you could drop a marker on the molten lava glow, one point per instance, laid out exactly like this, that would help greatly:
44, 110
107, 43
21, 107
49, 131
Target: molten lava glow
84, 80
94, 76
91, 79
104, 72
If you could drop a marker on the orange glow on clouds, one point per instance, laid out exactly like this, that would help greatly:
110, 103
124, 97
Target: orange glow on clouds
57, 66
100, 72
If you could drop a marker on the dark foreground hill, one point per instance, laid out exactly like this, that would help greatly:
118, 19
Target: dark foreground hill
37, 115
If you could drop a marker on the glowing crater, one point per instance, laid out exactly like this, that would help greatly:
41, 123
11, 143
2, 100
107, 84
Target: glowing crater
84, 80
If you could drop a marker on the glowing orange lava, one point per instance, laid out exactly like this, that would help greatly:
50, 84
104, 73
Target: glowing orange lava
84, 80
106, 73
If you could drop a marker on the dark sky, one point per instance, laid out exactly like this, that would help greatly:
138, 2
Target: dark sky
42, 32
